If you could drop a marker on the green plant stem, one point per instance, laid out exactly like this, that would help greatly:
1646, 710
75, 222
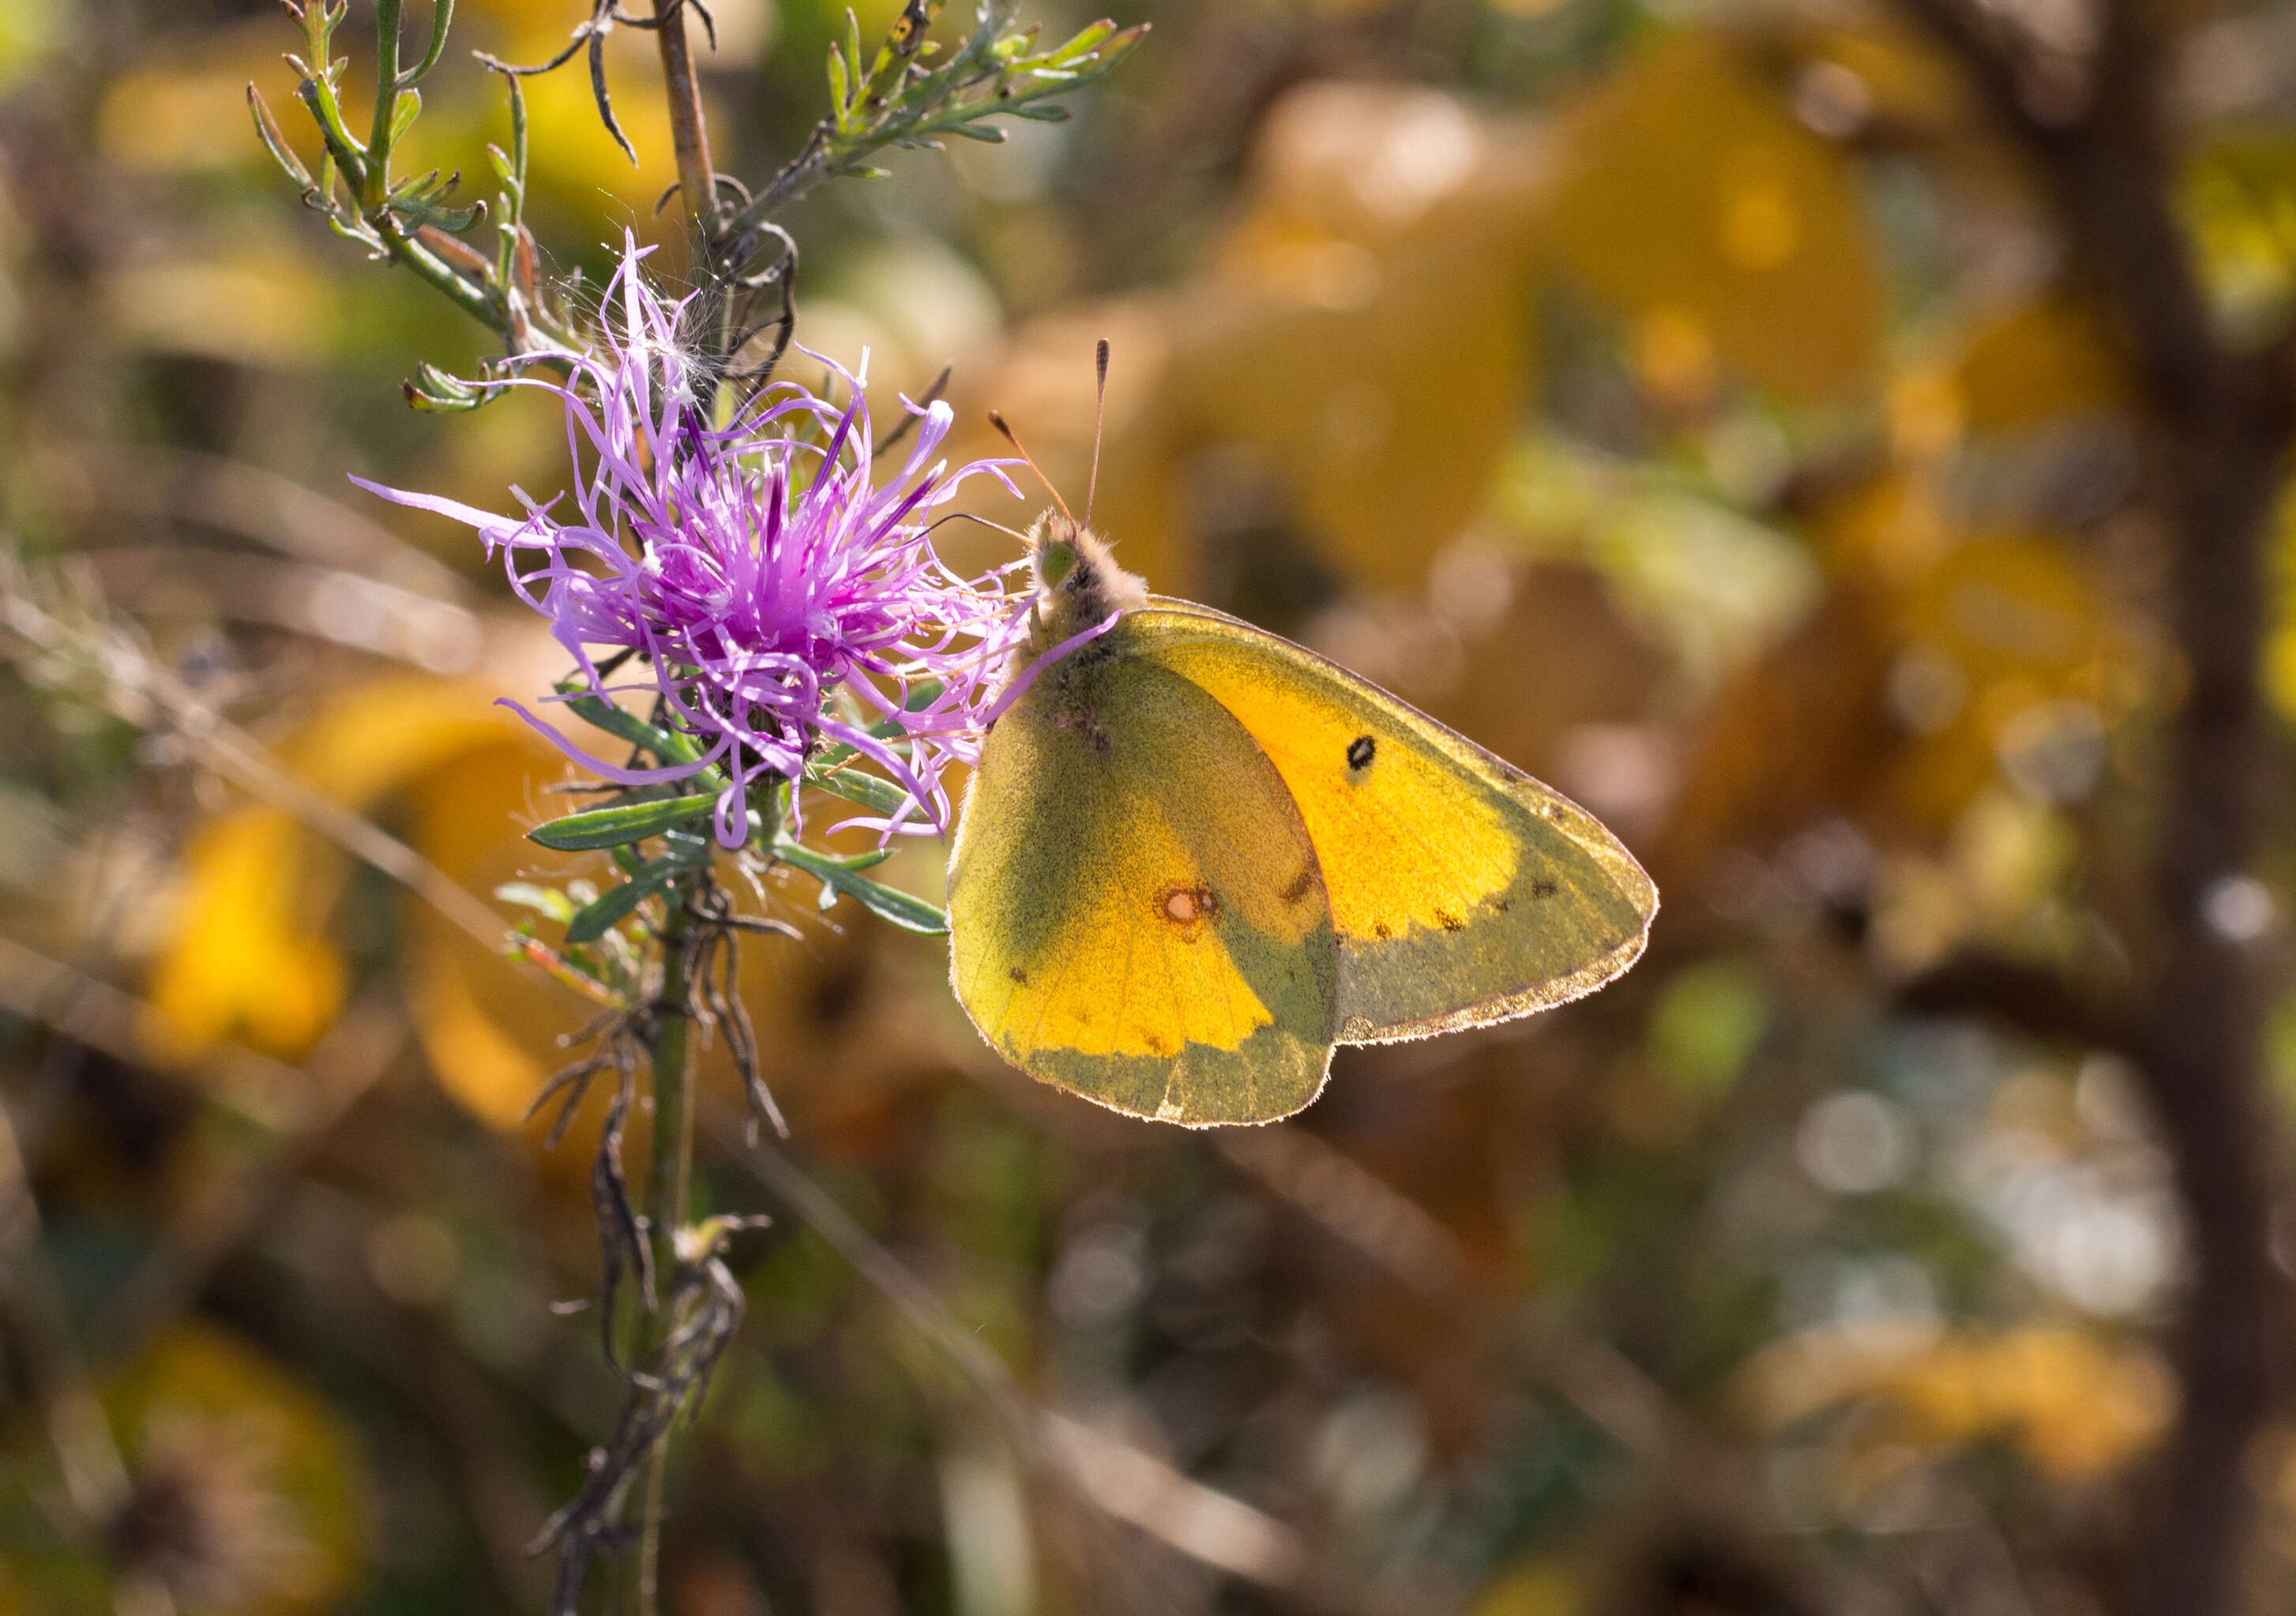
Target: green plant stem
385, 103
318, 91
473, 301
668, 1177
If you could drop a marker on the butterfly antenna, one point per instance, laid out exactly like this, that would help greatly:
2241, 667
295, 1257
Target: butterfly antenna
1099, 422
998, 421
983, 521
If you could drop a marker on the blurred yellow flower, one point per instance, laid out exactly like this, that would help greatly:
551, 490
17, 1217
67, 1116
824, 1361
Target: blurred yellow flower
1532, 1588
248, 956
1689, 186
246, 959
2077, 1405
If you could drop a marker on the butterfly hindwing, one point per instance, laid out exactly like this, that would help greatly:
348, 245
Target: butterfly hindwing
1463, 891
1136, 910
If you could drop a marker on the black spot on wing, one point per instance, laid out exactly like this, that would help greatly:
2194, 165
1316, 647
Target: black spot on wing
1543, 889
1361, 751
1019, 975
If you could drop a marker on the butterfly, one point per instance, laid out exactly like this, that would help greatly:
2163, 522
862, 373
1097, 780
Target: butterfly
1196, 857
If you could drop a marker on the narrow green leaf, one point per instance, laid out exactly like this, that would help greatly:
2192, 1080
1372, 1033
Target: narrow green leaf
404, 114
415, 185
855, 785
602, 913
516, 179
1087, 38
442, 18
602, 713
349, 156
268, 131
543, 900
618, 826
347, 224
910, 914
433, 389
838, 88
453, 221
853, 864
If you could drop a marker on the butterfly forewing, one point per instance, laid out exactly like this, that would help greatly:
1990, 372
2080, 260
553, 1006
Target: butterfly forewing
1462, 891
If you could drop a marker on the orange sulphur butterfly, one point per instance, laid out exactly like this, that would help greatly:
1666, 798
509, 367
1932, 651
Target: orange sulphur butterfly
1196, 857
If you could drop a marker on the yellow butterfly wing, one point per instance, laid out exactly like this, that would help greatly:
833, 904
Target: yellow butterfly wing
1462, 890
1135, 910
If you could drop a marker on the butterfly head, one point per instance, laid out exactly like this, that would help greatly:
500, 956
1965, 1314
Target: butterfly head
1077, 581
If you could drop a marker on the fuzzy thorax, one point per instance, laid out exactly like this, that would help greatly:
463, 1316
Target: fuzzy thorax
1079, 583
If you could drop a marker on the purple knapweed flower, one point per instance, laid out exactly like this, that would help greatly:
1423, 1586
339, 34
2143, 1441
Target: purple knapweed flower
756, 569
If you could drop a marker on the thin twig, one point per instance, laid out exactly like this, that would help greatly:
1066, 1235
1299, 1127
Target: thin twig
217, 491
689, 129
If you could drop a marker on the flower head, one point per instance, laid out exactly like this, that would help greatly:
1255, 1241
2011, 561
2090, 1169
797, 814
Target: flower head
756, 570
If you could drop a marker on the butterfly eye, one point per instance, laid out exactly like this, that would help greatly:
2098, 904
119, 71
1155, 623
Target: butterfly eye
1360, 752
1054, 561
